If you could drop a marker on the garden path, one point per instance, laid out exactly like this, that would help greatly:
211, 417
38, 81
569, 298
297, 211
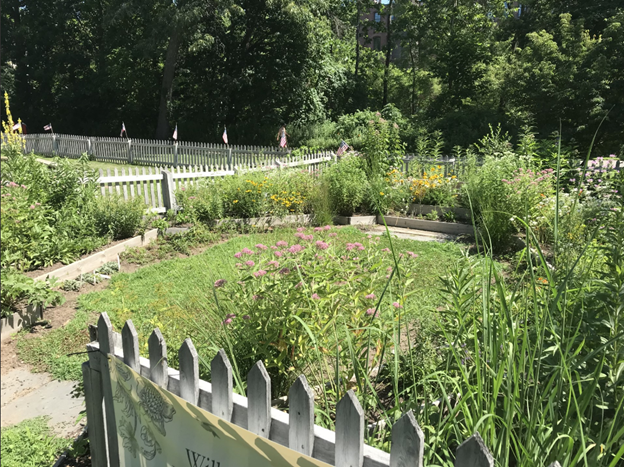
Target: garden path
27, 395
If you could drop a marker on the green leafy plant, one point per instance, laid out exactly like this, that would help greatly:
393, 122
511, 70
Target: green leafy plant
348, 185
31, 444
117, 218
17, 287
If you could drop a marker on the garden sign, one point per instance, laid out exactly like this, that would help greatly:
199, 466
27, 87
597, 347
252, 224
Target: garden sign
156, 427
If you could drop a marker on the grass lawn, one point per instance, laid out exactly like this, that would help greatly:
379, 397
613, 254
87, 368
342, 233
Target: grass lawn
177, 296
102, 165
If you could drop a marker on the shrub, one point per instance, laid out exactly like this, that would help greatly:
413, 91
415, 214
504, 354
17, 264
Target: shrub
201, 202
382, 146
118, 218
348, 185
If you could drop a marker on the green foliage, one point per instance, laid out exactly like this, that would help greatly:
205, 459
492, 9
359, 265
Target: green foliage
31, 444
46, 211
243, 196
16, 287
382, 147
347, 185
117, 218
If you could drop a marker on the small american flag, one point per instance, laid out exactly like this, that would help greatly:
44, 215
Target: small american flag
123, 129
47, 127
17, 126
175, 133
343, 147
225, 140
283, 138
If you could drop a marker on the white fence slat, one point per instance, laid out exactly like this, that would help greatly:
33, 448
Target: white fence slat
154, 201
93, 401
259, 400
105, 337
130, 344
301, 417
407, 442
473, 453
102, 185
349, 432
145, 188
117, 187
124, 184
221, 374
189, 372
158, 358
110, 185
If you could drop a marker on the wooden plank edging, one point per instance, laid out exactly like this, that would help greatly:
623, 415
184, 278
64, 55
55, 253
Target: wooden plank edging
90, 263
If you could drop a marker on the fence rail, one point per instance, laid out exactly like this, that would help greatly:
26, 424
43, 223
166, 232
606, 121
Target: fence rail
153, 186
295, 430
152, 152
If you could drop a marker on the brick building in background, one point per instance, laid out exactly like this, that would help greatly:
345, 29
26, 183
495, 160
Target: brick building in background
371, 37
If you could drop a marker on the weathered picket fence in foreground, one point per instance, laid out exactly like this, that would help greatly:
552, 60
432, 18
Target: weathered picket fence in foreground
156, 185
343, 448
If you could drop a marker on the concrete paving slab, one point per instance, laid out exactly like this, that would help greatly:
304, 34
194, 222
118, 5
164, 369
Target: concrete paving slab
413, 234
28, 395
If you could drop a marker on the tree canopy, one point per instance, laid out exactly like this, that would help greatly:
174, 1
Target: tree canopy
454, 66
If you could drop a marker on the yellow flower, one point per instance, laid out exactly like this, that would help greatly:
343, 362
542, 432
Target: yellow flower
381, 193
235, 201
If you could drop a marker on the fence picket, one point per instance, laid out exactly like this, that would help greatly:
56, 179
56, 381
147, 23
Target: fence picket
221, 373
130, 344
301, 417
157, 348
105, 336
407, 442
349, 432
259, 400
473, 453
189, 372
145, 189
154, 202
93, 401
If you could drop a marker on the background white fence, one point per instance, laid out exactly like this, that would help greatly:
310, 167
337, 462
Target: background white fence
152, 152
296, 430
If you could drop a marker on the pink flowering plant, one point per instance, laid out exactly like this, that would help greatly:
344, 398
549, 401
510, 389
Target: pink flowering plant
303, 302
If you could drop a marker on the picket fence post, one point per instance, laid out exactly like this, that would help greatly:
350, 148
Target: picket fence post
130, 151
168, 186
344, 448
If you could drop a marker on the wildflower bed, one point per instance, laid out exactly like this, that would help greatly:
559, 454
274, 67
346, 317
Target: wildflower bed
300, 300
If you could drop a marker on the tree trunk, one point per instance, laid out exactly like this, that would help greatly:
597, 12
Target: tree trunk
162, 130
357, 40
388, 54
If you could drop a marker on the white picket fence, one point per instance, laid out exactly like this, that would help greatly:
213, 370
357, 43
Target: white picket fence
296, 429
157, 185
152, 152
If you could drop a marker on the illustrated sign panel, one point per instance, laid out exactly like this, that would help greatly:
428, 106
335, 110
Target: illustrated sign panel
158, 428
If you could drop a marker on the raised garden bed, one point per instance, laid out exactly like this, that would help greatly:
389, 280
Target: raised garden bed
433, 226
303, 219
355, 220
18, 320
461, 214
94, 261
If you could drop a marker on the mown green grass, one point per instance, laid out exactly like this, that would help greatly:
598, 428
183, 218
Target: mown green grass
97, 165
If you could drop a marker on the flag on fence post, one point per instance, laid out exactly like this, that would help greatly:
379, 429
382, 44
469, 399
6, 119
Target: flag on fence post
17, 126
282, 137
343, 147
123, 130
225, 138
175, 133
48, 127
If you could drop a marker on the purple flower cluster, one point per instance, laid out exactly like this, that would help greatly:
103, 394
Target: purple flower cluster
322, 245
219, 283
